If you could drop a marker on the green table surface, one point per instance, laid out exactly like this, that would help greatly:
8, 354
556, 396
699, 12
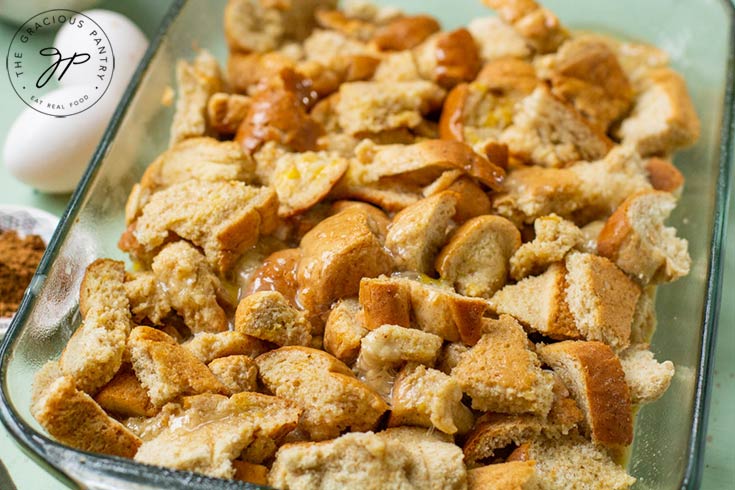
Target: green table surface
719, 471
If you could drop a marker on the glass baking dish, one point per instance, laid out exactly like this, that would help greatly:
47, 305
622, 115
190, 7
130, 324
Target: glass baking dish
669, 440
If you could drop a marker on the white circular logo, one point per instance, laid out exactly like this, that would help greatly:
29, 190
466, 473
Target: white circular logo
88, 58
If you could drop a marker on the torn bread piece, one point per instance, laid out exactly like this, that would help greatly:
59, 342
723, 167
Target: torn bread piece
539, 303
595, 377
225, 112
601, 298
418, 231
496, 39
196, 82
210, 346
405, 32
223, 218
335, 255
476, 258
428, 398
554, 238
205, 433
449, 356
396, 458
277, 272
75, 419
586, 73
664, 176
647, 378
332, 398
513, 475
547, 131
496, 431
260, 26
167, 370
94, 353
501, 374
191, 287
373, 107
664, 118
148, 299
428, 304
124, 396
303, 179
574, 462
635, 238
539, 27
237, 373
344, 330
268, 316
644, 319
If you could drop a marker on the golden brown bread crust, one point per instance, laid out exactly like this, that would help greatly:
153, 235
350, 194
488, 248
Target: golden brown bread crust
246, 71
268, 316
225, 112
210, 346
405, 33
475, 260
344, 330
256, 474
539, 26
385, 302
664, 176
515, 475
277, 273
449, 58
336, 254
125, 396
75, 419
594, 375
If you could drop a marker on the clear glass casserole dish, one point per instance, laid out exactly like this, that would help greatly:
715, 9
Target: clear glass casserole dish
668, 448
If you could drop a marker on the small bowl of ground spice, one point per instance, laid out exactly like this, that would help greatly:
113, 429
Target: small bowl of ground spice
24, 234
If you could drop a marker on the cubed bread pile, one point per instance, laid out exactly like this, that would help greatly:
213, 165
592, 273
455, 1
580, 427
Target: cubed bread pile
379, 255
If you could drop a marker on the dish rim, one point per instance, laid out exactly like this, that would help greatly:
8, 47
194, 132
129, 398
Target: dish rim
74, 467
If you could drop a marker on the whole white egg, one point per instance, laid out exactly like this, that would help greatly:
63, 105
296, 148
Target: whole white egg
51, 153
127, 40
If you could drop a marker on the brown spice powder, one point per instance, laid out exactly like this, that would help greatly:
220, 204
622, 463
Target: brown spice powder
19, 258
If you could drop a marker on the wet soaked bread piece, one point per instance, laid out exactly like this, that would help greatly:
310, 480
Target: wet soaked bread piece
396, 458
237, 373
514, 475
223, 218
664, 176
539, 303
344, 330
210, 346
125, 396
250, 473
602, 299
554, 238
449, 58
391, 345
475, 260
225, 112
635, 238
206, 432
495, 431
75, 419
94, 353
596, 379
385, 302
379, 106
576, 463
268, 316
428, 398
539, 26
647, 378
664, 118
501, 374
191, 287
336, 254
332, 398
303, 179
417, 232
196, 82
167, 370
587, 74
277, 272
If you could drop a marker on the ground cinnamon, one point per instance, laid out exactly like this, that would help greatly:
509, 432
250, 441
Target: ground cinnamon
19, 258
